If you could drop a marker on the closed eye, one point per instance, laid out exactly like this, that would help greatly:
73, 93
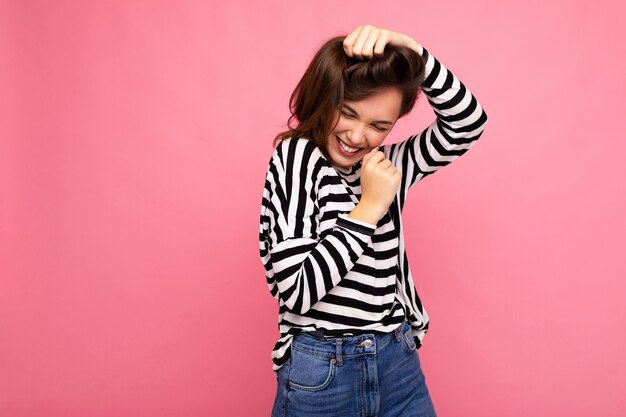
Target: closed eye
351, 116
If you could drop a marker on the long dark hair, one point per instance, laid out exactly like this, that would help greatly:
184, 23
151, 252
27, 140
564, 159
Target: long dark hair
332, 77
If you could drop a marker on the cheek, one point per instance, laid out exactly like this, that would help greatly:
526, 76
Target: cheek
342, 125
378, 138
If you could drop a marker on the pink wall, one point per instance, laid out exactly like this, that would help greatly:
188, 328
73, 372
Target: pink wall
134, 137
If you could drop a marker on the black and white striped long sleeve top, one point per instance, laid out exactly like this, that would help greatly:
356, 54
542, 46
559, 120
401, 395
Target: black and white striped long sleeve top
331, 272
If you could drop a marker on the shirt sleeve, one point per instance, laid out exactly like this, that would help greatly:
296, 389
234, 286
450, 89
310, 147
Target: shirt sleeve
460, 122
301, 266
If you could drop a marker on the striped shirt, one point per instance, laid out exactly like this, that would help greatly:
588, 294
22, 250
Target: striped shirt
332, 272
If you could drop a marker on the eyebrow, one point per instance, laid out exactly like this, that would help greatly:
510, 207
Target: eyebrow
375, 121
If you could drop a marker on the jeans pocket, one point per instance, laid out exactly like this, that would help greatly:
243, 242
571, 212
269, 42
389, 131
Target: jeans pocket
309, 371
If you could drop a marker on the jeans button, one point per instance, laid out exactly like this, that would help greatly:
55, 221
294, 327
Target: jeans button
367, 343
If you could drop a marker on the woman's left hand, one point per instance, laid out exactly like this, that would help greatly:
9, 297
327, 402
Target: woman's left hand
367, 41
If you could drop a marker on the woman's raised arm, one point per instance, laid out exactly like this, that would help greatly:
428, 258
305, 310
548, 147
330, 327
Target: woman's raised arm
461, 119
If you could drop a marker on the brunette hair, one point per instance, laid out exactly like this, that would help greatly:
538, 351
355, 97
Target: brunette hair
333, 76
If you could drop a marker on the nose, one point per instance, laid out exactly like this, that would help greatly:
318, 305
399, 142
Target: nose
357, 133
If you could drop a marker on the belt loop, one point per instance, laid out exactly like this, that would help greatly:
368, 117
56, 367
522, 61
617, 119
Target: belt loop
338, 345
398, 332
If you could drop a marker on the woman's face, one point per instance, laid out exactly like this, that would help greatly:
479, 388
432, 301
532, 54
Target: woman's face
363, 124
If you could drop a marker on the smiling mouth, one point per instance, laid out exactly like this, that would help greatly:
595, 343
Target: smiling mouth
344, 151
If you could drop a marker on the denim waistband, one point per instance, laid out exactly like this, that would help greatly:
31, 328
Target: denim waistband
348, 346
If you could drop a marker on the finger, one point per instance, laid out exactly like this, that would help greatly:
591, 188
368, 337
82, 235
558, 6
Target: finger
376, 157
382, 40
360, 41
348, 42
368, 47
384, 163
369, 155
388, 169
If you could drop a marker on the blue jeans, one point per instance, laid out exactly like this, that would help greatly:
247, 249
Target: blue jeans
365, 375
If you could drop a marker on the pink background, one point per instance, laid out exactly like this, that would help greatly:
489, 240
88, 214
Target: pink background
134, 142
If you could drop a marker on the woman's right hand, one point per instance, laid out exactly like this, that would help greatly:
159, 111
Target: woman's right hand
379, 181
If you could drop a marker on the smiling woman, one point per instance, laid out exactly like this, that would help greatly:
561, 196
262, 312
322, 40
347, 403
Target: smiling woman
336, 86
363, 125
331, 236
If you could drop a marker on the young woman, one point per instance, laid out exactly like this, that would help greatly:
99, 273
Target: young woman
331, 237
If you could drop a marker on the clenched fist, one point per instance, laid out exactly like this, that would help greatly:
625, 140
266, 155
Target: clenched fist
379, 182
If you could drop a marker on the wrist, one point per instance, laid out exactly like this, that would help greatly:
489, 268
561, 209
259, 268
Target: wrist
366, 212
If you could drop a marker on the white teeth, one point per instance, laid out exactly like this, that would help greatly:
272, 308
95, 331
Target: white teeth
347, 148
